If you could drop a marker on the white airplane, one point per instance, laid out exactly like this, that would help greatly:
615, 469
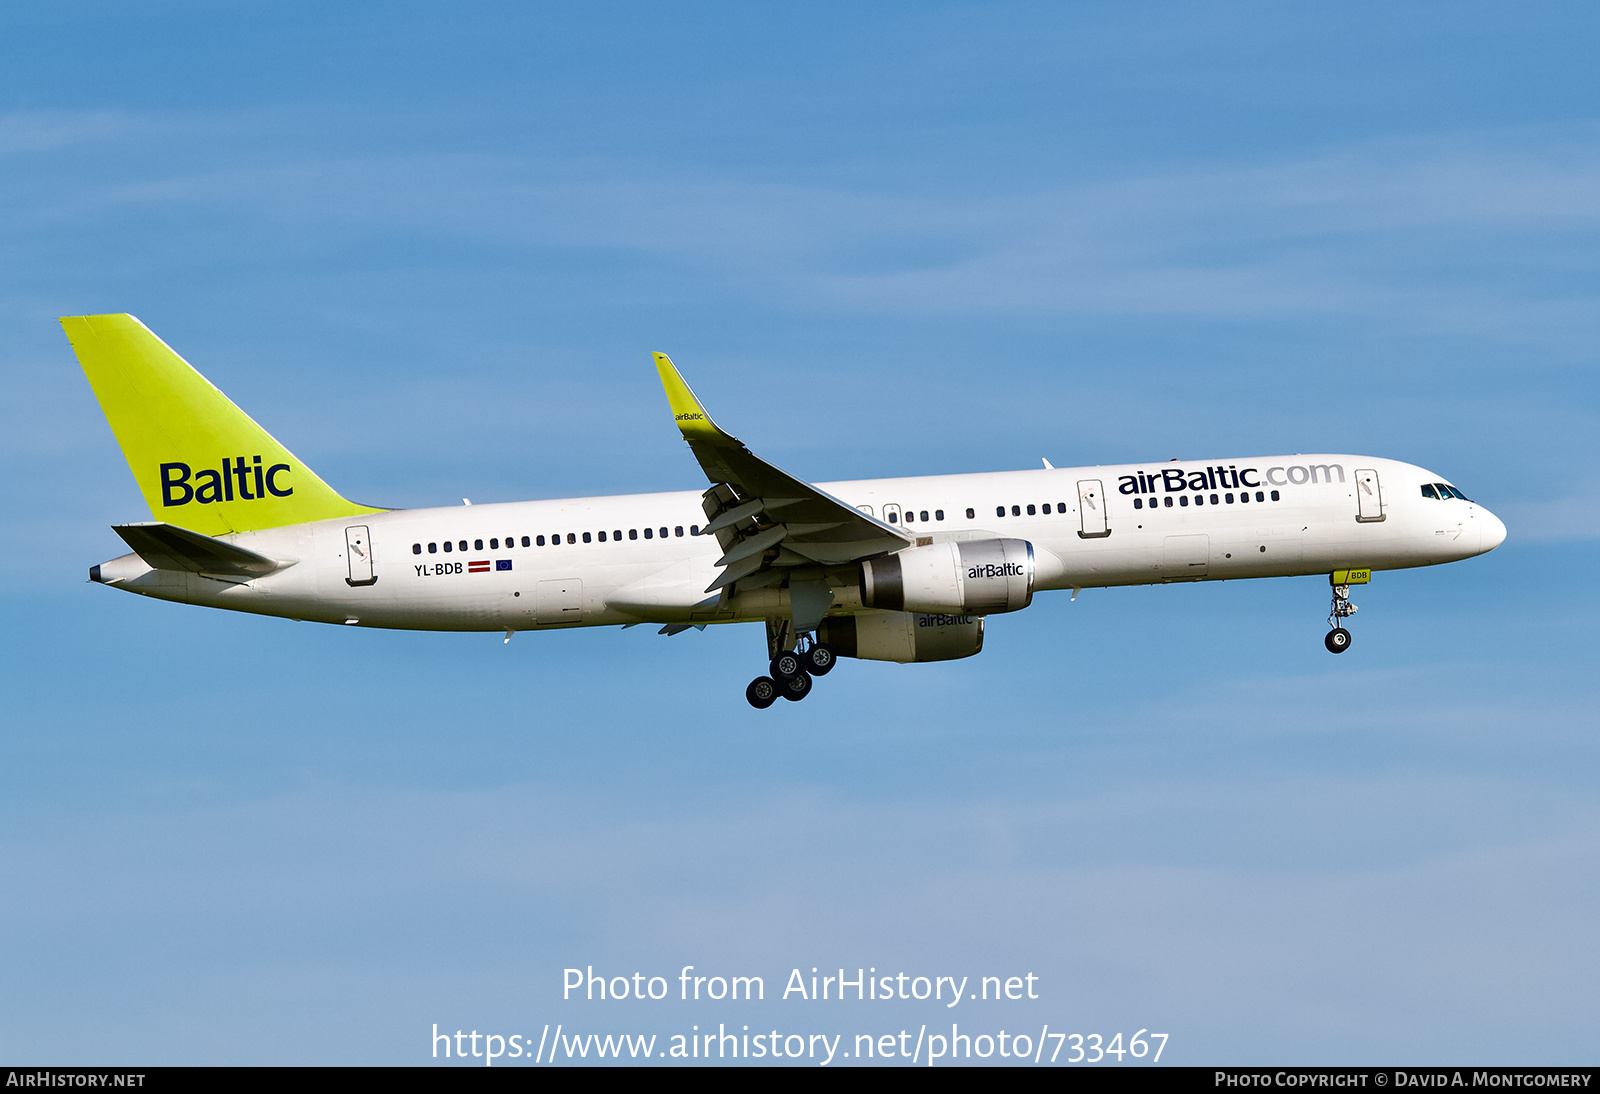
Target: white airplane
882, 569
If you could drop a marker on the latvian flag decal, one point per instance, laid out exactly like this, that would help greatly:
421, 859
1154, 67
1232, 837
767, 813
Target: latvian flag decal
481, 566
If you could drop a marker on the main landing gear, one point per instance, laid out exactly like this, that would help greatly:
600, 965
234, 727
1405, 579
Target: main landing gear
792, 673
1338, 639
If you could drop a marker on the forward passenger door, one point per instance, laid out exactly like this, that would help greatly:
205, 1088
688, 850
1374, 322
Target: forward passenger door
1369, 497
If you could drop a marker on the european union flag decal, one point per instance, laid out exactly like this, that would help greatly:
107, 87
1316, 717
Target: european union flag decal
502, 564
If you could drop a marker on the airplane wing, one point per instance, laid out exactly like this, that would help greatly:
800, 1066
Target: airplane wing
168, 547
772, 526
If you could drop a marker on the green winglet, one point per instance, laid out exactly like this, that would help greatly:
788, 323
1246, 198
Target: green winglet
691, 417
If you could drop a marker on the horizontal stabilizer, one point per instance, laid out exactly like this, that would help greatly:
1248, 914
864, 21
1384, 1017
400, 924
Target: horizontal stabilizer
168, 547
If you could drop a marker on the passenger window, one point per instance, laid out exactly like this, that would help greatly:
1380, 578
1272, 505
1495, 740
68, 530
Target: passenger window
525, 542
616, 534
571, 538
416, 548
971, 515
1262, 497
1199, 499
448, 547
433, 548
694, 530
1061, 507
1045, 509
938, 514
922, 515
464, 544
1228, 498
1168, 502
663, 533
1429, 492
647, 532
1274, 495
1031, 510
587, 538
494, 545
1016, 510
677, 530
1183, 499
602, 537
894, 518
999, 510
1213, 499
633, 533
1138, 503
539, 541
477, 545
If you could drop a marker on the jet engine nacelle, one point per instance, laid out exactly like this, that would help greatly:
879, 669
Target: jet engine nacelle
974, 577
902, 636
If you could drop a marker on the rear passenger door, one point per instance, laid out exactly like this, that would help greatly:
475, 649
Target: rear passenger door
358, 553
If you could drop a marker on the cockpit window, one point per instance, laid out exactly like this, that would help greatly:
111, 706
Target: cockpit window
1446, 491
1429, 492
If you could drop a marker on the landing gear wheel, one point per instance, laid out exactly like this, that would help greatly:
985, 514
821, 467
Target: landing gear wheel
797, 687
1338, 640
820, 660
762, 692
786, 665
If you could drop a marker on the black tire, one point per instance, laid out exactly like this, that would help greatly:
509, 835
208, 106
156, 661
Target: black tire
820, 660
797, 687
786, 665
1338, 640
762, 692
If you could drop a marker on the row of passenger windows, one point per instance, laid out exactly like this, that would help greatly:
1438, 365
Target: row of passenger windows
555, 539
1138, 503
1016, 510
1200, 499
972, 514
894, 518
1439, 491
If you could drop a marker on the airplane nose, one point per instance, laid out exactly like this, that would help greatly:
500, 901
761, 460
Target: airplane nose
1491, 531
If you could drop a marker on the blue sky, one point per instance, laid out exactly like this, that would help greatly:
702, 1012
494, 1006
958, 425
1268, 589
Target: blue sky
431, 251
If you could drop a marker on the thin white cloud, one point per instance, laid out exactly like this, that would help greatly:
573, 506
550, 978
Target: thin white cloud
26, 131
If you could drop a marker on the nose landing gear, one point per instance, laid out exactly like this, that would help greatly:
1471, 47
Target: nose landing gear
1338, 639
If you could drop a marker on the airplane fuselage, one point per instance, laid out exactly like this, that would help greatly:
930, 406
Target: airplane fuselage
638, 558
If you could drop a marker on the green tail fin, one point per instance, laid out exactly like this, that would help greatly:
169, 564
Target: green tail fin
200, 461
